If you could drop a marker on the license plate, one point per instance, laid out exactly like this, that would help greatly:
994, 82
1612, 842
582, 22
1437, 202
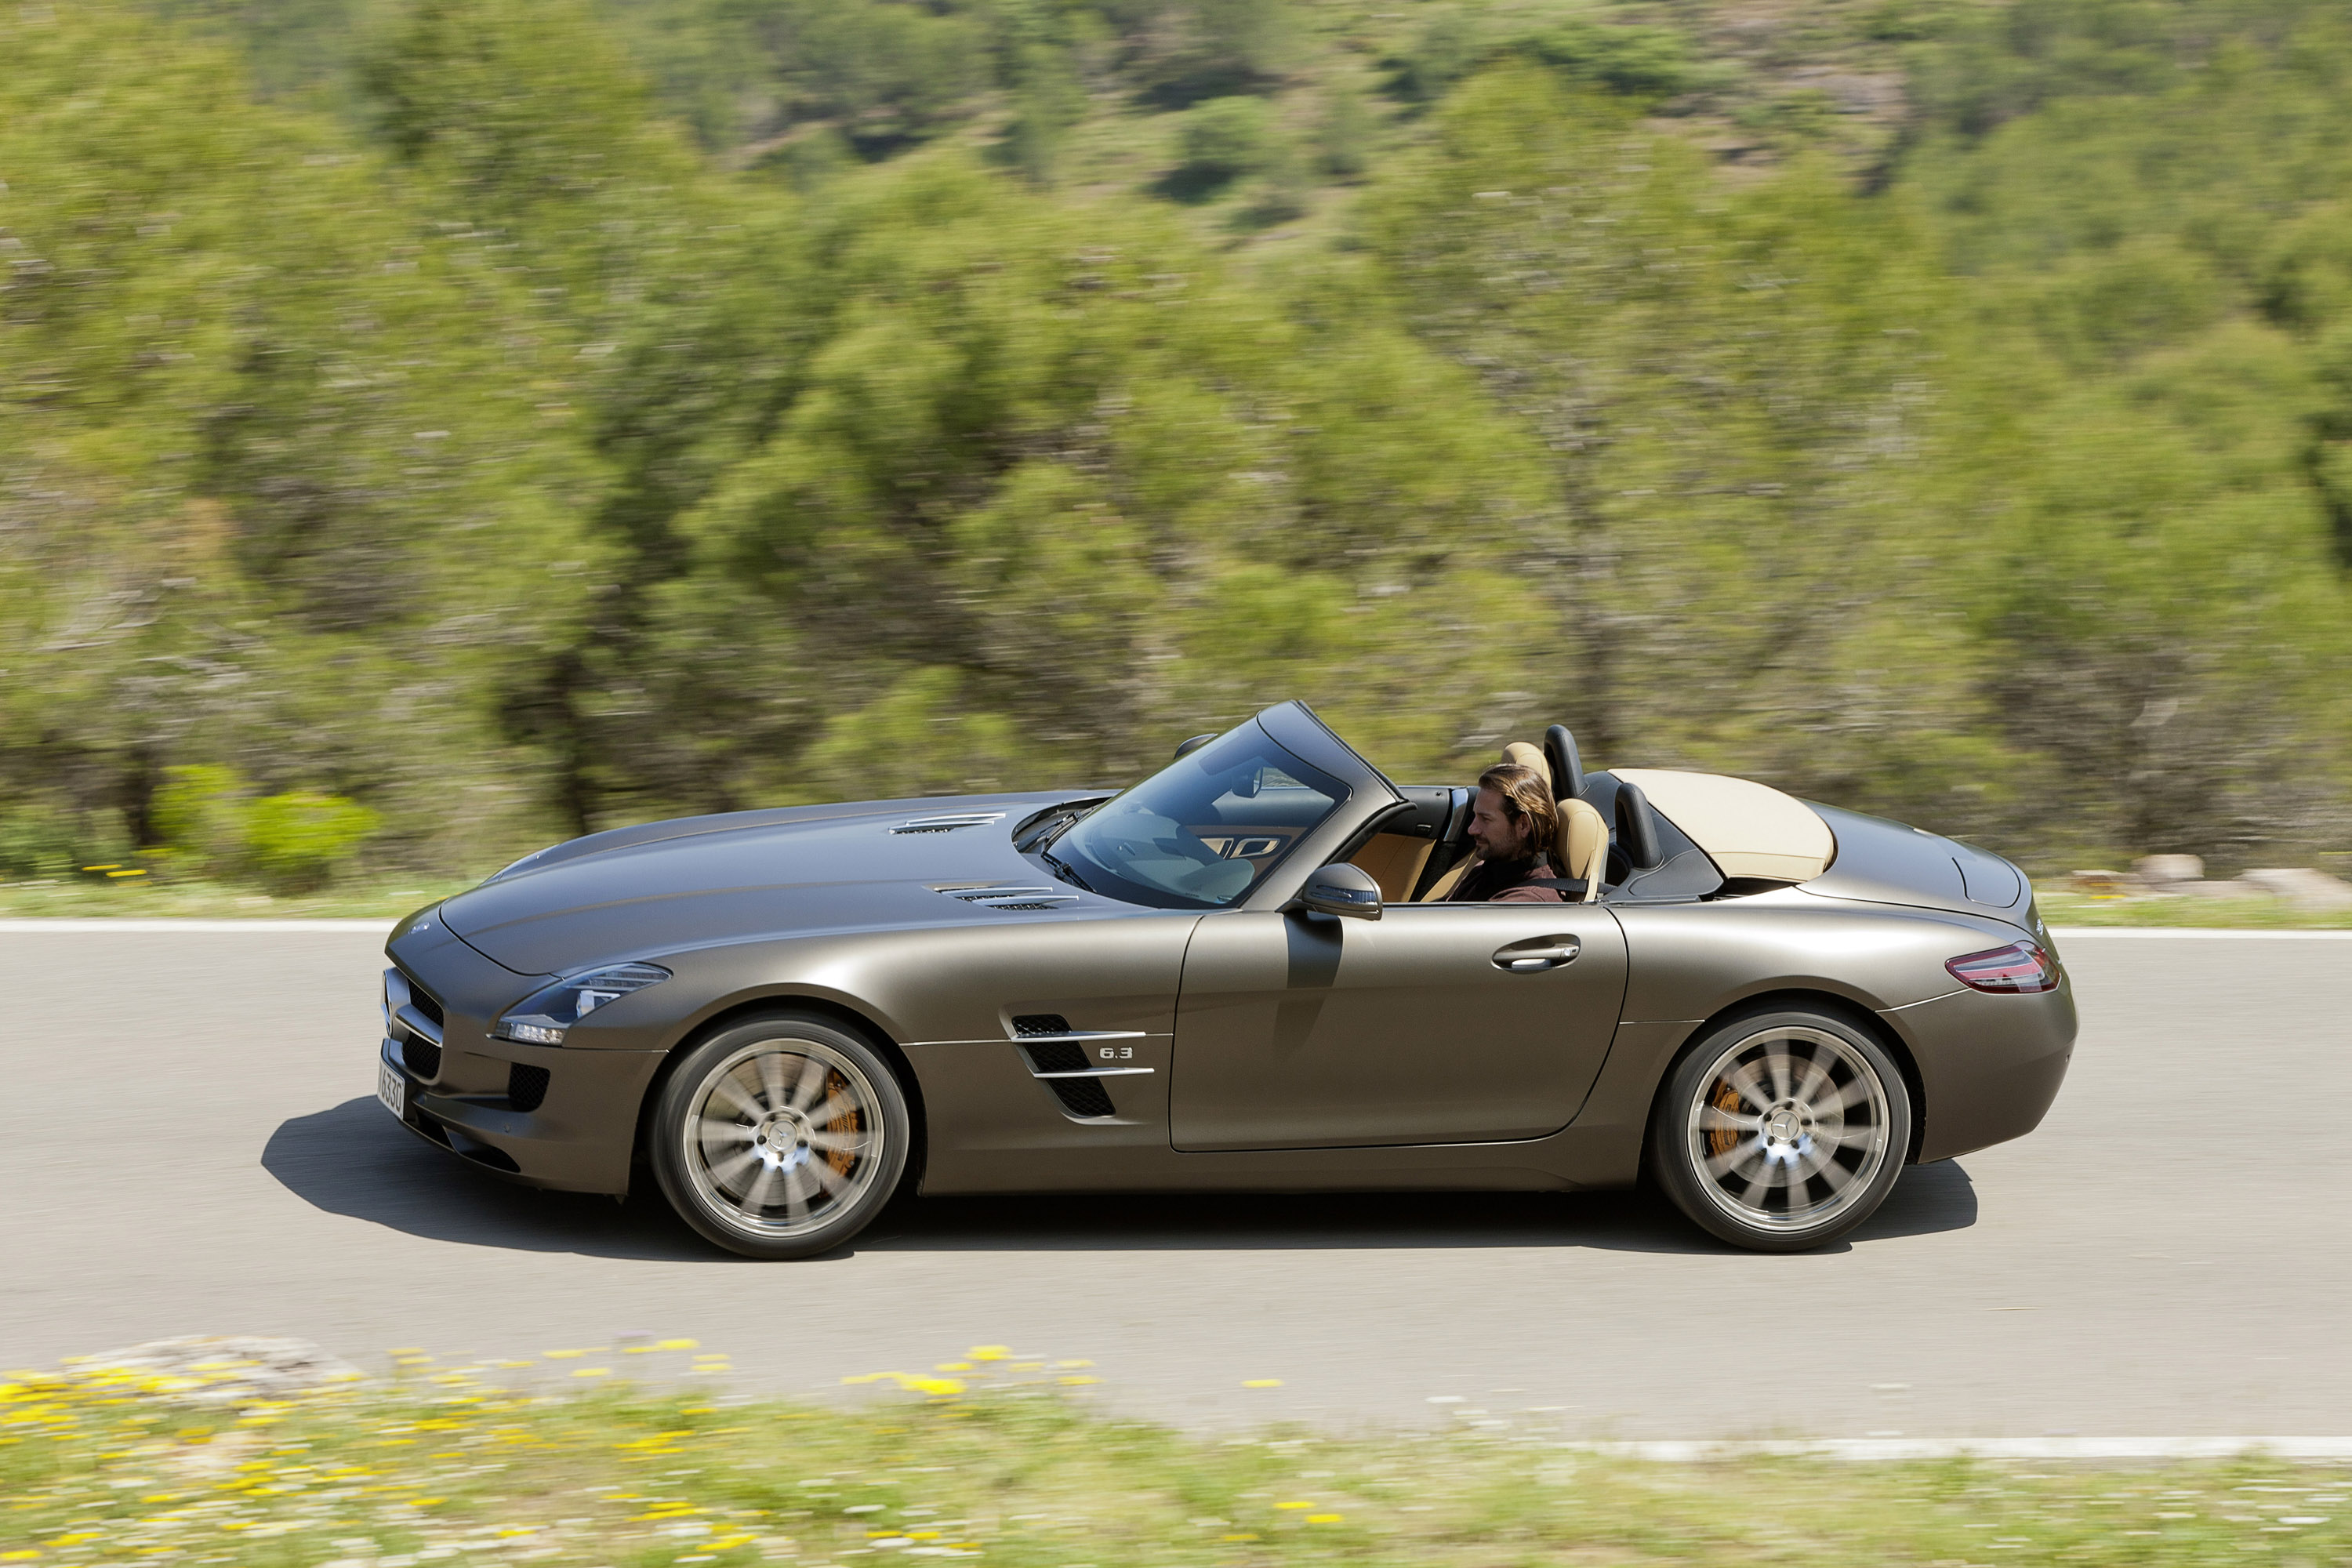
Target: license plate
391, 1088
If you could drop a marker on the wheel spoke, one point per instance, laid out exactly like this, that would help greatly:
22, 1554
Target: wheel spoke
811, 1085
1757, 1187
756, 1195
771, 1080
1835, 1174
1779, 1065
1849, 1136
724, 1136
1811, 1078
1714, 1119
826, 1142
729, 1169
1718, 1167
796, 1193
1746, 1084
1849, 1097
732, 1094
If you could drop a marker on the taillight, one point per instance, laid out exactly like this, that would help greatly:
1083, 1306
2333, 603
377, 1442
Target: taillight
2020, 966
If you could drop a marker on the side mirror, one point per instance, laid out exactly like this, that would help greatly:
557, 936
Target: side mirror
1342, 889
1187, 748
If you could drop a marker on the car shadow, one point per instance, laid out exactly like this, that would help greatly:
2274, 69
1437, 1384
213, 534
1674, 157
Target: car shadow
352, 1159
1928, 1199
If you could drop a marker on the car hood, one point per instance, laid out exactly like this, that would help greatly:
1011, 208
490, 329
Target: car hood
745, 876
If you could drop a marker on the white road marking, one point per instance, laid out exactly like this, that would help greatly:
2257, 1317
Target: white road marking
167, 927
1880, 1450
173, 927
2076, 933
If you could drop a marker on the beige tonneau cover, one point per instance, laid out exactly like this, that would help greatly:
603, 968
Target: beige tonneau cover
1747, 828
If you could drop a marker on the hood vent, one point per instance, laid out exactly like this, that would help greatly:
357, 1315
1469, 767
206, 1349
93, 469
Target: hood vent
1013, 897
949, 823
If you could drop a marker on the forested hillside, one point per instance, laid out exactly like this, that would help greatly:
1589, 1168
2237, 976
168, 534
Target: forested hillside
430, 427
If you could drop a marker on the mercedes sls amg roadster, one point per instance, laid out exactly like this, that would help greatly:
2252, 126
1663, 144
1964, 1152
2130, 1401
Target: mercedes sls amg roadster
1242, 973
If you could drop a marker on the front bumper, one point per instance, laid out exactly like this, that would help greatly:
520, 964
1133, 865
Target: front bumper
544, 1147
544, 1115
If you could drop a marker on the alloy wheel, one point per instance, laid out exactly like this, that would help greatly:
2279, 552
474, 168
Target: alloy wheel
784, 1136
1788, 1130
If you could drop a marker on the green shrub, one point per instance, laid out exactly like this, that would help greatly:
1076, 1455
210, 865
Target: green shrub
292, 842
199, 815
1344, 138
1226, 138
36, 839
295, 841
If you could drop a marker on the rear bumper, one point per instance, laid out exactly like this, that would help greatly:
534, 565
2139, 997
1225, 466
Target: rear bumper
1989, 1065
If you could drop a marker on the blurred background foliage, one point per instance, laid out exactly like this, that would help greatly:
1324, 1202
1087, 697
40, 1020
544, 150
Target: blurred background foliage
428, 427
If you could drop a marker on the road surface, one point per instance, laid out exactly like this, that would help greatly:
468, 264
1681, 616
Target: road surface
189, 1144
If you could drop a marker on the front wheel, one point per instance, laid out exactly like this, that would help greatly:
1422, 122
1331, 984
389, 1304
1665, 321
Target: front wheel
1781, 1131
781, 1136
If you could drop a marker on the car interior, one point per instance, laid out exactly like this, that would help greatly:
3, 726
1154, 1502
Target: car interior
1607, 825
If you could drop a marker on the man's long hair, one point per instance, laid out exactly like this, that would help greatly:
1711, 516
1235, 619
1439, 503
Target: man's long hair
1526, 798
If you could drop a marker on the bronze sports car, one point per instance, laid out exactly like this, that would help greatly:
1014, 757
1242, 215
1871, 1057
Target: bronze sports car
1240, 973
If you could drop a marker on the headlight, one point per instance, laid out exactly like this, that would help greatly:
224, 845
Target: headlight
543, 1017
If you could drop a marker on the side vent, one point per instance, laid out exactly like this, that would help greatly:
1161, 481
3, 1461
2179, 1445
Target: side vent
1027, 1024
526, 1085
1012, 898
950, 823
1081, 1097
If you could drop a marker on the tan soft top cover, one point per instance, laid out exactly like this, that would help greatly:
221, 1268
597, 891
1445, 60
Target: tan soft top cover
1748, 829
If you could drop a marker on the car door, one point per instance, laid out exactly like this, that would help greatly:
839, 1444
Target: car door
1435, 1024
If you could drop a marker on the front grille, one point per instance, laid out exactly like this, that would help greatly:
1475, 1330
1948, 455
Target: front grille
1027, 1025
1079, 1096
526, 1085
425, 1001
421, 1058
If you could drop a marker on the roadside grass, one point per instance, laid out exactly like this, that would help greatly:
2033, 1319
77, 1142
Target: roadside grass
444, 1465
2259, 913
93, 897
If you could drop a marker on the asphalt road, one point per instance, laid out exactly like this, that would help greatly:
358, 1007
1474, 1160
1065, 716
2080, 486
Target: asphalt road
189, 1144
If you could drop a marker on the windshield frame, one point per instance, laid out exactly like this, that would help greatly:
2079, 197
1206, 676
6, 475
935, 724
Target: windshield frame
1293, 730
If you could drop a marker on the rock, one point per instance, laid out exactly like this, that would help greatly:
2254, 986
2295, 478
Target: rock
2314, 892
2163, 871
227, 1369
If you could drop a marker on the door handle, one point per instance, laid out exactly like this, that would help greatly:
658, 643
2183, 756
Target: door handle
1533, 958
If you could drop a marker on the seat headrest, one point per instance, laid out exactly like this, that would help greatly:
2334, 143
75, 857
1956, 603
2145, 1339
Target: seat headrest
1528, 756
1581, 852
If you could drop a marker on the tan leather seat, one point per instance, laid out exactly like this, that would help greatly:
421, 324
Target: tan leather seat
1394, 861
1528, 756
1581, 850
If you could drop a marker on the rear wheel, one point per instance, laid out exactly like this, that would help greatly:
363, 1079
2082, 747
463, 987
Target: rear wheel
1781, 1131
781, 1136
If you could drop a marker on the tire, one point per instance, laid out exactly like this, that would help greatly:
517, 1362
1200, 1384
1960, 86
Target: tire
743, 1160
1781, 1131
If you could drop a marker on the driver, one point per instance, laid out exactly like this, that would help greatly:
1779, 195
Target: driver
1512, 828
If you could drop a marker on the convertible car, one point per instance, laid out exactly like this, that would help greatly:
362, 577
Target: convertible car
1241, 973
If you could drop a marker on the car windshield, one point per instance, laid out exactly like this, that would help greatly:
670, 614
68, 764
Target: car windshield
1199, 833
